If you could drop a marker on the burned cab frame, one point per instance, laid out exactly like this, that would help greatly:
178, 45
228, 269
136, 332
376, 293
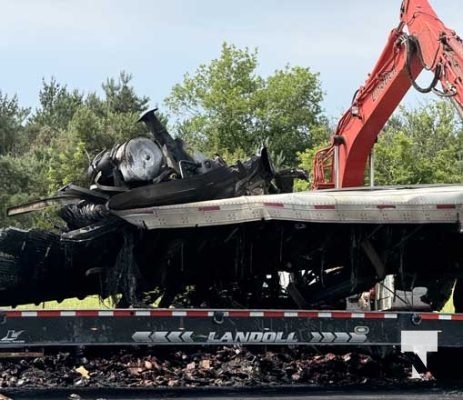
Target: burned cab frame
100, 253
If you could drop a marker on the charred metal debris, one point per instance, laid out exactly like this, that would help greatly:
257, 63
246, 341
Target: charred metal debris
263, 264
233, 367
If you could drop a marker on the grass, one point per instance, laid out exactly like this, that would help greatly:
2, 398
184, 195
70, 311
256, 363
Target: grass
449, 308
90, 302
95, 302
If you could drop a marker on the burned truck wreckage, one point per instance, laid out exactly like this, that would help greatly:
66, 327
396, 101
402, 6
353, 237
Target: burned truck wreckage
160, 223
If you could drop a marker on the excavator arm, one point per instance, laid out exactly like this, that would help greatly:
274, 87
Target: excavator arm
421, 41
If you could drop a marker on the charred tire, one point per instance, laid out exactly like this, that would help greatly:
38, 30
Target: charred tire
8, 272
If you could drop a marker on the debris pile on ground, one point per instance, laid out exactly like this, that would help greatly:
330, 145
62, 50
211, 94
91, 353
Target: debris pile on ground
221, 367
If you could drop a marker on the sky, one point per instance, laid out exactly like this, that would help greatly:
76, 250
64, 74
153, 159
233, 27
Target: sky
83, 42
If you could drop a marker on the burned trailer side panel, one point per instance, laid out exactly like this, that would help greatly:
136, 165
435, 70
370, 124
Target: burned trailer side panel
332, 243
263, 264
243, 264
38, 266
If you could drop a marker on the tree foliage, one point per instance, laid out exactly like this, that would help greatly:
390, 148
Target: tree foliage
420, 146
120, 96
57, 105
20, 182
52, 147
226, 107
12, 117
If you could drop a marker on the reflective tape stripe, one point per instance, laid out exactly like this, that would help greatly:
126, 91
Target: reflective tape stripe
204, 313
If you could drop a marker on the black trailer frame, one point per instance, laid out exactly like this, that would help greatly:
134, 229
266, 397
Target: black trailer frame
161, 327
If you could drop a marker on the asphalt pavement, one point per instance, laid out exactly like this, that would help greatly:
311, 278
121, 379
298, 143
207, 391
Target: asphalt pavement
426, 391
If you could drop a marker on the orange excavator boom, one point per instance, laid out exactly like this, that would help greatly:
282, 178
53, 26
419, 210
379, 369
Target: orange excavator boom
420, 41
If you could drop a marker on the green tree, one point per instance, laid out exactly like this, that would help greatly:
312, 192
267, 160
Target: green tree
57, 105
418, 146
12, 117
120, 96
226, 107
57, 141
20, 180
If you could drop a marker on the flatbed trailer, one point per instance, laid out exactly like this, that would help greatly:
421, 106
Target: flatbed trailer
186, 327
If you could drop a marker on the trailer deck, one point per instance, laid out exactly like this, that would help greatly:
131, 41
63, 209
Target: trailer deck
391, 205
